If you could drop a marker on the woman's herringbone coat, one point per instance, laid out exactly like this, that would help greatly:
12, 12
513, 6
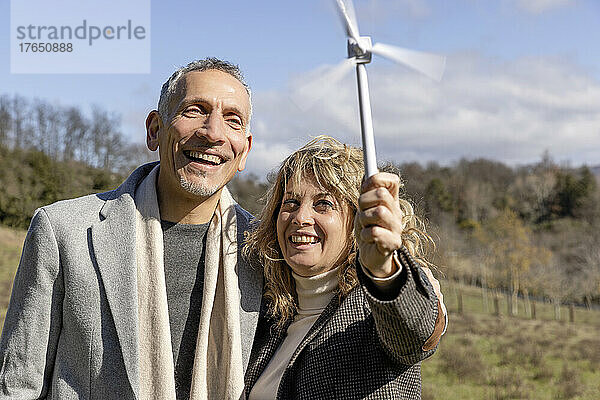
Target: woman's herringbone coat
367, 347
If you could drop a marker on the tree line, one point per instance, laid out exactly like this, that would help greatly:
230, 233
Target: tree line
530, 230
67, 133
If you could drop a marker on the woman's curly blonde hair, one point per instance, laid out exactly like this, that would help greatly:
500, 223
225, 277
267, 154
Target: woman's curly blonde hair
338, 169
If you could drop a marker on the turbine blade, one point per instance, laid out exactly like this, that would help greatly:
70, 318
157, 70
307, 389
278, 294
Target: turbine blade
429, 64
351, 14
307, 94
346, 11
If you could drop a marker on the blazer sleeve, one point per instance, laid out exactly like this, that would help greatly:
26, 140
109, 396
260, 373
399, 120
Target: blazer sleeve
34, 316
405, 322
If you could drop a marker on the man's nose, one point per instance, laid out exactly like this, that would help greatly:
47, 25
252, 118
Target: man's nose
213, 130
303, 215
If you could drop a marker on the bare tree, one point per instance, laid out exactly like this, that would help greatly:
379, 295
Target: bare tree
132, 156
105, 136
19, 108
75, 128
5, 120
531, 191
589, 279
511, 251
47, 128
551, 277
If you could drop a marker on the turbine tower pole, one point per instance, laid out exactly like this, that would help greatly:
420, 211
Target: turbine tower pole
361, 56
360, 50
366, 121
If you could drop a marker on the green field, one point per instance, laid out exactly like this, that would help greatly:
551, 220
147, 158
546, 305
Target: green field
11, 242
482, 356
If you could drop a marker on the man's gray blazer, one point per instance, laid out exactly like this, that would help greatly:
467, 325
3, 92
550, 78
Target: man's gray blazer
71, 327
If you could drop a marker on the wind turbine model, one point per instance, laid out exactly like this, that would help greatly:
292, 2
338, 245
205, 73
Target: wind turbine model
360, 49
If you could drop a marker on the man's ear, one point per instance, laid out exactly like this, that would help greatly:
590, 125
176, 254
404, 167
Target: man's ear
242, 164
153, 125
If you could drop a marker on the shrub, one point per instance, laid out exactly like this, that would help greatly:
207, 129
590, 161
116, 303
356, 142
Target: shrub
463, 361
569, 385
508, 384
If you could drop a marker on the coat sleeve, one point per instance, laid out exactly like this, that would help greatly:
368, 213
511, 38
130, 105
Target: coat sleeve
34, 317
406, 321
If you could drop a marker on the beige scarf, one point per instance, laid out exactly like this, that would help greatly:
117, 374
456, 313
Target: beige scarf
218, 369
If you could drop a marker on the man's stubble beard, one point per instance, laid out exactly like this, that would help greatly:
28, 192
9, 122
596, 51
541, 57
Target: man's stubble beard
197, 188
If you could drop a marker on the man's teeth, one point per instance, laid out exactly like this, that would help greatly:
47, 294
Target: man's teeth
206, 157
304, 239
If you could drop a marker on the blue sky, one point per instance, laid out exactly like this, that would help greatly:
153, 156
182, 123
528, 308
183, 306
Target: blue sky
522, 76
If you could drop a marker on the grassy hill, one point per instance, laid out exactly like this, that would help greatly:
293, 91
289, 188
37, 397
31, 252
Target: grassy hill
482, 356
11, 242
30, 179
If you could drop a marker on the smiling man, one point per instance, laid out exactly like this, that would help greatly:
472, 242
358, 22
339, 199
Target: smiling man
201, 130
140, 292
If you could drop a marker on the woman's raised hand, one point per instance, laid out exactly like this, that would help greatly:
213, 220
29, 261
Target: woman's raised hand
379, 223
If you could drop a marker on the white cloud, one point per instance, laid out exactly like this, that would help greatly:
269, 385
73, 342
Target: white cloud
540, 6
265, 156
508, 111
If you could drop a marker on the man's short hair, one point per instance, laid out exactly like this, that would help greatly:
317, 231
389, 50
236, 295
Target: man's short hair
170, 86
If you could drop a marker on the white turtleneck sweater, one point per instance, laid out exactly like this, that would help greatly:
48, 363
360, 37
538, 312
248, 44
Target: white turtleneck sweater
314, 293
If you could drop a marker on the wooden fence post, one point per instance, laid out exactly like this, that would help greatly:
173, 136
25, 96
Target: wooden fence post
496, 306
460, 301
509, 305
571, 313
484, 296
527, 302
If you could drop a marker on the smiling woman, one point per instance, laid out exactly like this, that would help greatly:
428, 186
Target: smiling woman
331, 326
313, 229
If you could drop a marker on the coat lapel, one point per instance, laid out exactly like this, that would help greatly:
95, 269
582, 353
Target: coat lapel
286, 381
268, 338
316, 328
113, 241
